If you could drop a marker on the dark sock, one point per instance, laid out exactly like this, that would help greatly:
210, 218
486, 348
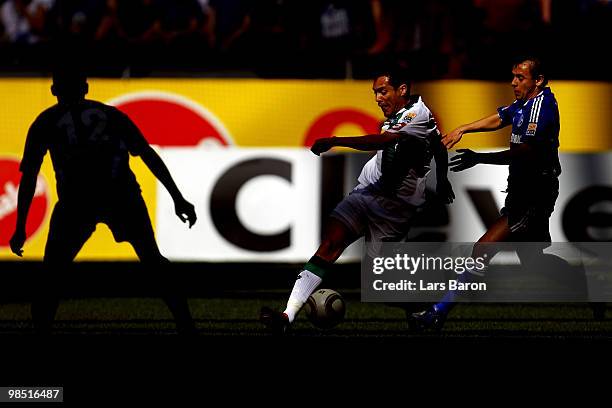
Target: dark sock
318, 266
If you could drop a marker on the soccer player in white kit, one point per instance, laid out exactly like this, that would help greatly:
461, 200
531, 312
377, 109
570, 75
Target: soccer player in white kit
391, 187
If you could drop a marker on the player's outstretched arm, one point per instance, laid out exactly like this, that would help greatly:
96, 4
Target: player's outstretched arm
444, 189
487, 124
523, 151
467, 158
464, 160
27, 187
184, 209
365, 143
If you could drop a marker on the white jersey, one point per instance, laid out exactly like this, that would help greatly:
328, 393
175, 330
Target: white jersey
417, 121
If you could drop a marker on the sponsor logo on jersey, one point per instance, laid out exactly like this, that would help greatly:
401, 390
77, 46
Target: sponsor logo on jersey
9, 185
531, 129
404, 121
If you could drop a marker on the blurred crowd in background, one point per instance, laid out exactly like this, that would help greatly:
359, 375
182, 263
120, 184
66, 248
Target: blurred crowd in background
435, 39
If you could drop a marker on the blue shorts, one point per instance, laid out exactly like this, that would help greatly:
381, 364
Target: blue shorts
529, 211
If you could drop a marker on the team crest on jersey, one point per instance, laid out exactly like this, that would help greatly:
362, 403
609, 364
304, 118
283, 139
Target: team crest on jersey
520, 118
531, 129
404, 121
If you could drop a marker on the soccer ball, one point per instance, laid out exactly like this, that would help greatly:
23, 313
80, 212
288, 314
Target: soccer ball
325, 308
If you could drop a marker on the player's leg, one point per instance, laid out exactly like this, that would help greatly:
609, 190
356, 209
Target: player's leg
346, 223
533, 228
390, 223
69, 229
571, 277
343, 227
498, 232
132, 223
148, 252
336, 238
435, 316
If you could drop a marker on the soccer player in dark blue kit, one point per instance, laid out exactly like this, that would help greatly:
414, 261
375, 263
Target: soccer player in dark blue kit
90, 143
534, 169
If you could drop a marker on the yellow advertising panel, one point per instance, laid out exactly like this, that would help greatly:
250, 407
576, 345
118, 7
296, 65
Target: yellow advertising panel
213, 113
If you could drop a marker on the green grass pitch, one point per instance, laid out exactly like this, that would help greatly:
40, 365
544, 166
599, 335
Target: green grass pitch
236, 315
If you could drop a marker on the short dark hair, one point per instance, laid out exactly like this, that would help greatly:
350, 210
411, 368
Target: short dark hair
69, 77
69, 81
397, 77
536, 67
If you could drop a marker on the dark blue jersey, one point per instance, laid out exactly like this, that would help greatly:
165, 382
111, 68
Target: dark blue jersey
89, 143
535, 121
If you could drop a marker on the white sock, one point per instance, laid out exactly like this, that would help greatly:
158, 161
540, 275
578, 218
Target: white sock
304, 285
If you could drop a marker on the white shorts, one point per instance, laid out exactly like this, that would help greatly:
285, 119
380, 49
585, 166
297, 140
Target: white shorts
365, 211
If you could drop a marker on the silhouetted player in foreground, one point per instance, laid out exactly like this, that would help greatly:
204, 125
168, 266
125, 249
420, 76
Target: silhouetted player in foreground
90, 143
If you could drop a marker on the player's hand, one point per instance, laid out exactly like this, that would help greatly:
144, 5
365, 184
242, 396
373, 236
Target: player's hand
444, 191
17, 241
464, 160
322, 145
185, 211
452, 138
